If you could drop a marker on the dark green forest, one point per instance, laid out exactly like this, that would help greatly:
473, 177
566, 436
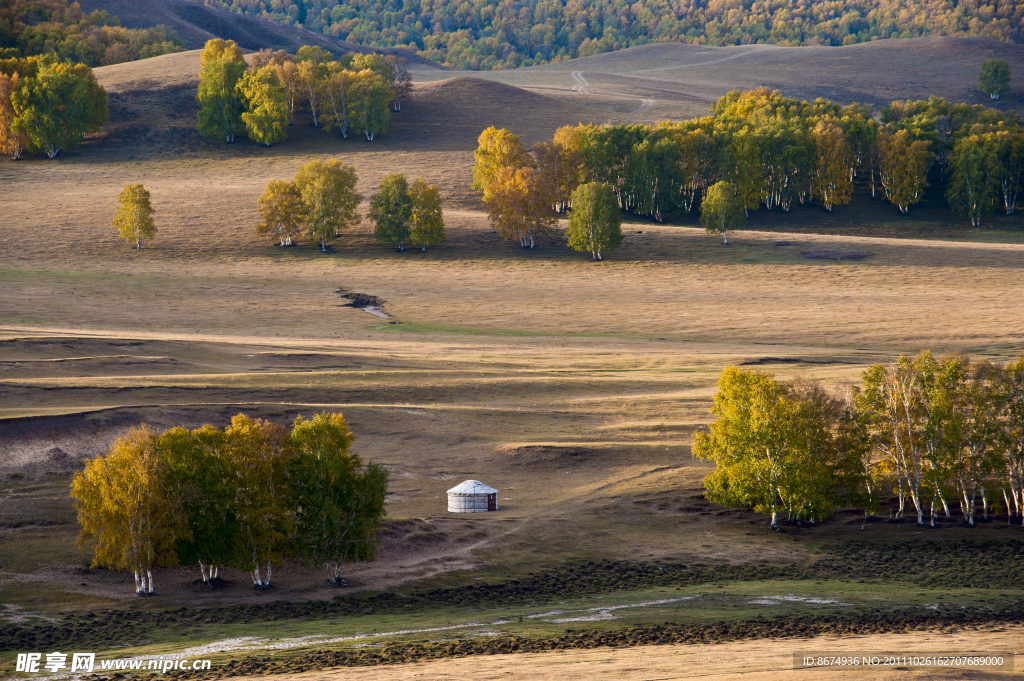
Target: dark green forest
494, 34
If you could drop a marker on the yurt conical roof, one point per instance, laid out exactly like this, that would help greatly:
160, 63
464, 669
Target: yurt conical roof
471, 488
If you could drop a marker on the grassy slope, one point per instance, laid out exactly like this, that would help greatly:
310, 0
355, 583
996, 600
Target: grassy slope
572, 387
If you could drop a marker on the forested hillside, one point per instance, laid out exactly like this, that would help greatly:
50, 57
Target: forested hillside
492, 34
38, 27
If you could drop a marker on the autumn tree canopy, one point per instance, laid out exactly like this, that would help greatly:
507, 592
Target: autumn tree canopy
134, 217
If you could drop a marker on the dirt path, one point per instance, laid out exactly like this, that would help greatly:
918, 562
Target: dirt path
748, 660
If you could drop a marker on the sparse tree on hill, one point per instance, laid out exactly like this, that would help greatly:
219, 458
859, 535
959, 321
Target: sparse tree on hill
128, 521
427, 220
498, 148
257, 455
722, 210
266, 104
595, 223
391, 210
11, 143
972, 188
134, 218
281, 211
339, 501
220, 113
519, 205
994, 78
58, 107
903, 165
329, 199
368, 105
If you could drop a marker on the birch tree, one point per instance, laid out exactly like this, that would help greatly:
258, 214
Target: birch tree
339, 501
426, 222
497, 149
518, 206
391, 210
973, 187
749, 441
12, 143
134, 217
833, 164
266, 106
994, 78
221, 107
903, 165
281, 211
722, 210
595, 223
311, 75
329, 199
257, 455
1011, 425
56, 108
336, 99
128, 519
368, 105
892, 395
1010, 167
399, 80
217, 49
197, 475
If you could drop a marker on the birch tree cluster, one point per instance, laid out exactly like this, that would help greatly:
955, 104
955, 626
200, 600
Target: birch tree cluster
318, 204
48, 106
777, 152
262, 98
923, 435
250, 496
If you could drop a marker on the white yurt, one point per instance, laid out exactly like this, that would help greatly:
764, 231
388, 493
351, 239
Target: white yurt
472, 496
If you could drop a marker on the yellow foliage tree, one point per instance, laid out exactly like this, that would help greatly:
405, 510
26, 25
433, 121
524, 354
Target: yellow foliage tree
903, 166
219, 49
498, 148
134, 218
12, 142
127, 520
519, 205
280, 208
257, 455
833, 163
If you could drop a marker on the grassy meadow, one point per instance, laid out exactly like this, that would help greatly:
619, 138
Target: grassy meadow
571, 386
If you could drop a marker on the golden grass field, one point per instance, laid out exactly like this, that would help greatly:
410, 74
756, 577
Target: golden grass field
573, 387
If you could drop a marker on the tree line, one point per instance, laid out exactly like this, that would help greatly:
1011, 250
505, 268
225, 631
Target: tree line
47, 106
63, 31
321, 202
777, 152
495, 34
935, 432
250, 496
261, 98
